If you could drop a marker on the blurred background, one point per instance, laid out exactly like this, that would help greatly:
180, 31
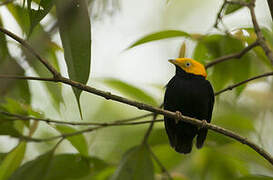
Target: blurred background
140, 73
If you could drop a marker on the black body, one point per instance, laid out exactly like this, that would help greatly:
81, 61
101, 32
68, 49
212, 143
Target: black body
193, 96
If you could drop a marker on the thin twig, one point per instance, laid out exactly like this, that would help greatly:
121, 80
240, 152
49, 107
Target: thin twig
219, 15
149, 130
259, 33
237, 55
115, 123
65, 135
162, 167
243, 82
87, 130
4, 76
135, 118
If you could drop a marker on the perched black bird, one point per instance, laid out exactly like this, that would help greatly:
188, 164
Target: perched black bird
191, 94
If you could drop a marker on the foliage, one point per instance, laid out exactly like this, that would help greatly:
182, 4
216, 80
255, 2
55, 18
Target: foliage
117, 153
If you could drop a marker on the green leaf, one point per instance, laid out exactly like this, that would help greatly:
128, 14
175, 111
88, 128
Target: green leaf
79, 141
37, 15
158, 137
2, 157
167, 156
231, 8
210, 158
100, 170
160, 35
201, 53
233, 70
8, 65
21, 16
130, 90
7, 127
75, 32
47, 50
49, 167
251, 38
34, 169
12, 161
17, 89
136, 164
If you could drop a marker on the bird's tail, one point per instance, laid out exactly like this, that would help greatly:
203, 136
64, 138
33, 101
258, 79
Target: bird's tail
183, 144
180, 135
201, 136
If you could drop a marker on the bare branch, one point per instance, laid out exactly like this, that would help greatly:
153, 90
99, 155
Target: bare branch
237, 55
114, 123
243, 82
149, 130
4, 76
259, 33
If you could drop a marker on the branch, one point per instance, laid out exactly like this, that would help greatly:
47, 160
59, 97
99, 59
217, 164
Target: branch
243, 82
260, 36
99, 126
219, 17
141, 106
31, 50
148, 132
3, 76
115, 123
237, 55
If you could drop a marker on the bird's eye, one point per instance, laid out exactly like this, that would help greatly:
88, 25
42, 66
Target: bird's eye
188, 64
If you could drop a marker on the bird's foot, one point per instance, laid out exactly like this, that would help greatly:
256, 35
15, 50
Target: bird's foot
204, 122
178, 116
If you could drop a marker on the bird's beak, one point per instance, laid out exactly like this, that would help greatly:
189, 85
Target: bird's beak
173, 61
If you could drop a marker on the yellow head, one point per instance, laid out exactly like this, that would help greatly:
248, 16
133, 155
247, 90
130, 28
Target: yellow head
190, 66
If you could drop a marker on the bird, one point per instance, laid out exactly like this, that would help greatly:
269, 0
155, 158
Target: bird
191, 94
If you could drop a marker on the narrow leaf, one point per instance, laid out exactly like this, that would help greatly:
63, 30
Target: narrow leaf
231, 8
49, 167
75, 32
79, 141
182, 51
8, 65
47, 49
33, 170
37, 15
12, 161
135, 164
130, 90
160, 35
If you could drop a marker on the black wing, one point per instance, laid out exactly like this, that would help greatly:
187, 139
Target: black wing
202, 132
177, 98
